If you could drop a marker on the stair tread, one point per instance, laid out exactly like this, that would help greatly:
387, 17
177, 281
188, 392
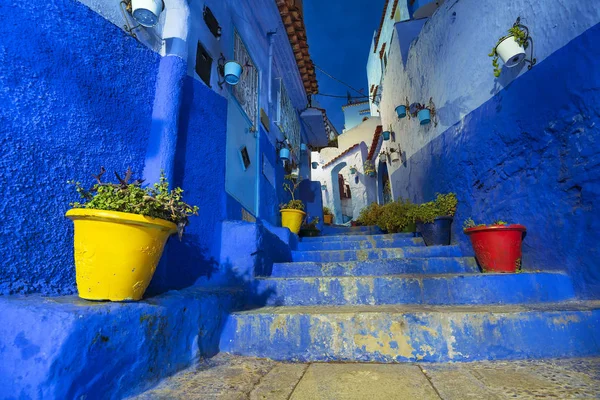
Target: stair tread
569, 305
451, 247
349, 263
358, 238
412, 275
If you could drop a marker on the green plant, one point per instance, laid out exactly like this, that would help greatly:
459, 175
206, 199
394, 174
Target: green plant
155, 201
443, 206
327, 211
520, 36
469, 223
291, 184
312, 225
369, 167
395, 216
369, 215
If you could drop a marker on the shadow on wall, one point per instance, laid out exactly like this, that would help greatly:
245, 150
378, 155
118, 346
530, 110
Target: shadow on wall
529, 155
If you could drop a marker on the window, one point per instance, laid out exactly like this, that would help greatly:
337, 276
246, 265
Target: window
246, 91
211, 22
245, 157
287, 119
203, 64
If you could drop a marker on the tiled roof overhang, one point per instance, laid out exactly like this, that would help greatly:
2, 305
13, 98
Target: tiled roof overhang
334, 159
293, 21
375, 142
378, 35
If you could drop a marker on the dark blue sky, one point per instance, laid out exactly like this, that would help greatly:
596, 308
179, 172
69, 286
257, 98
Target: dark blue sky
339, 38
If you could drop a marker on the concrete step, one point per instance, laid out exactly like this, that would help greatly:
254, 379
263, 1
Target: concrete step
357, 238
389, 266
392, 334
329, 230
472, 288
361, 244
376, 254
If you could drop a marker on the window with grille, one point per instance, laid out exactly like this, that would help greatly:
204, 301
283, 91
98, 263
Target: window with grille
246, 91
287, 119
203, 64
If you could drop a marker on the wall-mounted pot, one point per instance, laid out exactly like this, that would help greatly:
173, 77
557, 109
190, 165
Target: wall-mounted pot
284, 154
352, 170
302, 146
424, 116
401, 111
323, 187
233, 71
386, 135
314, 164
395, 156
511, 52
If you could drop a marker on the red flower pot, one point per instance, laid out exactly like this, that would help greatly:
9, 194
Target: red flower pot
497, 248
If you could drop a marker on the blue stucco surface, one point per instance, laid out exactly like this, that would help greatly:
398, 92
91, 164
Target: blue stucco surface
529, 155
75, 96
105, 350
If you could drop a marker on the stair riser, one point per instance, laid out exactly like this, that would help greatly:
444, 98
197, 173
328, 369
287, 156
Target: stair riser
360, 245
378, 290
435, 265
356, 238
375, 254
354, 230
429, 337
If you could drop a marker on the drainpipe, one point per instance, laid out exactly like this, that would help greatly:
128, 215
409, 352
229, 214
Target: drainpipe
172, 71
270, 83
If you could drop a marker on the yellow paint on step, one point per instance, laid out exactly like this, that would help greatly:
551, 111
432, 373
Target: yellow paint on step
402, 343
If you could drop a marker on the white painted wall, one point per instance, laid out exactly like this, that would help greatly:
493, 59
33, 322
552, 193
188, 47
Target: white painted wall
450, 62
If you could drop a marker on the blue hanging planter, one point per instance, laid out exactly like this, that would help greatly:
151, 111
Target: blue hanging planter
424, 116
284, 154
352, 170
314, 165
386, 135
233, 71
401, 111
302, 146
323, 187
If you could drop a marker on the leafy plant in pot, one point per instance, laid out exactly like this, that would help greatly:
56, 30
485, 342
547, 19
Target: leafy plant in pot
434, 219
369, 168
497, 246
397, 216
511, 48
292, 212
327, 216
309, 229
120, 233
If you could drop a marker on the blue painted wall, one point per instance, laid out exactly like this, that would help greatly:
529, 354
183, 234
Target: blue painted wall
76, 93
530, 155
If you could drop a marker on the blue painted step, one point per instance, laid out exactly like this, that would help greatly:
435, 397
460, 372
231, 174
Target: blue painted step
356, 238
415, 333
389, 266
347, 230
417, 289
376, 254
361, 244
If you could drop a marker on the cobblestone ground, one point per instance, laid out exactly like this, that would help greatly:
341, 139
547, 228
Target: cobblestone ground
227, 377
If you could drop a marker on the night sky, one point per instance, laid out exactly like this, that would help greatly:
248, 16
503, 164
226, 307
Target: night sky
339, 37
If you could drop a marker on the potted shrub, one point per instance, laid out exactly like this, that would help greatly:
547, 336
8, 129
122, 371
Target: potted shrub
497, 246
353, 170
120, 233
309, 229
396, 216
292, 213
510, 48
369, 168
369, 216
434, 219
327, 216
394, 155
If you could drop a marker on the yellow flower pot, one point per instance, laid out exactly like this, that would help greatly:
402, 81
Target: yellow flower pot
116, 253
292, 219
327, 219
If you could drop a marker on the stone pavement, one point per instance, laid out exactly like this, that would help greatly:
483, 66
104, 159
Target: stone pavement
227, 377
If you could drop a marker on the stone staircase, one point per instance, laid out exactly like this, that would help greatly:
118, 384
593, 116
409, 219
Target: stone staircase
357, 295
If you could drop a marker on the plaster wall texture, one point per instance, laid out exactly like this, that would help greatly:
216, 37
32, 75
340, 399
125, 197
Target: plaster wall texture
361, 133
520, 147
354, 114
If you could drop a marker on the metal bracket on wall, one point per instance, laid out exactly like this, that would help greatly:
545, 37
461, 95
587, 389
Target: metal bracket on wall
532, 60
125, 7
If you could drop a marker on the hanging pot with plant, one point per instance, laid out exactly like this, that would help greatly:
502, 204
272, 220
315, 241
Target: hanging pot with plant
327, 216
386, 135
292, 212
425, 113
353, 170
402, 110
314, 164
434, 219
120, 232
497, 246
369, 168
511, 48
394, 155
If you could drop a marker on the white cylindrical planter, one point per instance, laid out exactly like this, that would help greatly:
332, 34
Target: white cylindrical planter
395, 156
510, 52
146, 12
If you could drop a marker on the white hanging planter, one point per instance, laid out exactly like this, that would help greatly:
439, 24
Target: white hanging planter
511, 52
146, 12
394, 156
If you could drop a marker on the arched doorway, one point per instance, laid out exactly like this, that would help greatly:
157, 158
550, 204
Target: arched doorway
384, 188
335, 193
